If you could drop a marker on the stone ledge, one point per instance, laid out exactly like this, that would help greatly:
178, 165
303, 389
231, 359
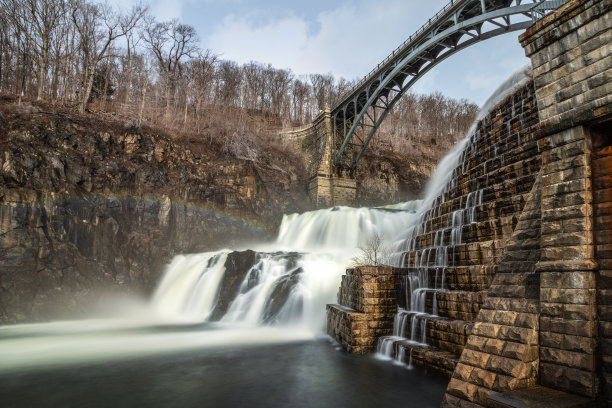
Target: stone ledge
538, 397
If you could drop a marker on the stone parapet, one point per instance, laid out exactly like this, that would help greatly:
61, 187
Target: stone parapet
368, 304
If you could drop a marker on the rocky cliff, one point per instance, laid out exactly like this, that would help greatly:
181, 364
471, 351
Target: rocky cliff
390, 177
88, 204
92, 204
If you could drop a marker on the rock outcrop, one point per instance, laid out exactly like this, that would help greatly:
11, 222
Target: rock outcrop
89, 205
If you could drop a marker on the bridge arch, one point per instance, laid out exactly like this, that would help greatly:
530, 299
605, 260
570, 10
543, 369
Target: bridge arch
462, 23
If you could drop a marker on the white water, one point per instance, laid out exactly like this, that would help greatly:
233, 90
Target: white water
317, 244
325, 242
435, 258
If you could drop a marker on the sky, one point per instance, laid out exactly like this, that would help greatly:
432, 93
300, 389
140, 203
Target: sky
346, 38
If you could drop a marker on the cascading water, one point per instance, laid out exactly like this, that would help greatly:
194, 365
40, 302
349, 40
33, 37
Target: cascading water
303, 268
222, 298
427, 267
228, 297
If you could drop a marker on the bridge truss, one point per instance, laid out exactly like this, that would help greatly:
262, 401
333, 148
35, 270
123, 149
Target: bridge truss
460, 24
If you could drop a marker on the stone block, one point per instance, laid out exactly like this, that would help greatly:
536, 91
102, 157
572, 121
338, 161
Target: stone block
568, 280
563, 145
461, 389
567, 326
572, 296
482, 378
567, 253
583, 361
586, 345
521, 352
510, 367
568, 379
565, 213
569, 239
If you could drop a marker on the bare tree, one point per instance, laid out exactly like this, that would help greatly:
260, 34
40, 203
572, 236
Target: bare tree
128, 23
38, 21
98, 27
322, 89
229, 79
279, 81
372, 252
202, 72
68, 50
170, 42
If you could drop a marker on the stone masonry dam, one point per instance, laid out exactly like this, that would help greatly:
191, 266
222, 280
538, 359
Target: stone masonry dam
505, 284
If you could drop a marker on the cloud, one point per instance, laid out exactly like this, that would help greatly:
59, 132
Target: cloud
241, 39
162, 9
347, 41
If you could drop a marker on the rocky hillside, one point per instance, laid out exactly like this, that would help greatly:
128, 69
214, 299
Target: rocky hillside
91, 203
391, 177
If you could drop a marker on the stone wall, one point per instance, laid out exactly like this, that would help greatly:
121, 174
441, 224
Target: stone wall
545, 319
502, 351
310, 141
571, 52
367, 304
501, 165
602, 203
571, 55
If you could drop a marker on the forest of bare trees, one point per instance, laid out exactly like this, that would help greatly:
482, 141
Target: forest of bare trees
87, 56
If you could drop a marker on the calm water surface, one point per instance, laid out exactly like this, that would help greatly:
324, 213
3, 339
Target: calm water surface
311, 373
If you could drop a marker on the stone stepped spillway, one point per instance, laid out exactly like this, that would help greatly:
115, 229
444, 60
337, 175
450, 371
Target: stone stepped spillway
446, 261
449, 259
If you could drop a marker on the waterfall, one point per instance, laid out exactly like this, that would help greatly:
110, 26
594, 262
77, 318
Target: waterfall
288, 282
420, 262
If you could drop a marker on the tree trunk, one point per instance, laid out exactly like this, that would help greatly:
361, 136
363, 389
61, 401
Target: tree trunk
106, 81
168, 93
185, 113
128, 85
42, 68
142, 104
87, 90
197, 116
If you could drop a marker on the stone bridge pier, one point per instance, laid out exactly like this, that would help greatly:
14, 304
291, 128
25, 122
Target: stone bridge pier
328, 185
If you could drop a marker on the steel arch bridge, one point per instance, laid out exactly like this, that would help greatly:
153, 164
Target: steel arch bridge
458, 25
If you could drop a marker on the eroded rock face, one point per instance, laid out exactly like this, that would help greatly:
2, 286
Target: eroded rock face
392, 178
89, 206
237, 266
282, 290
